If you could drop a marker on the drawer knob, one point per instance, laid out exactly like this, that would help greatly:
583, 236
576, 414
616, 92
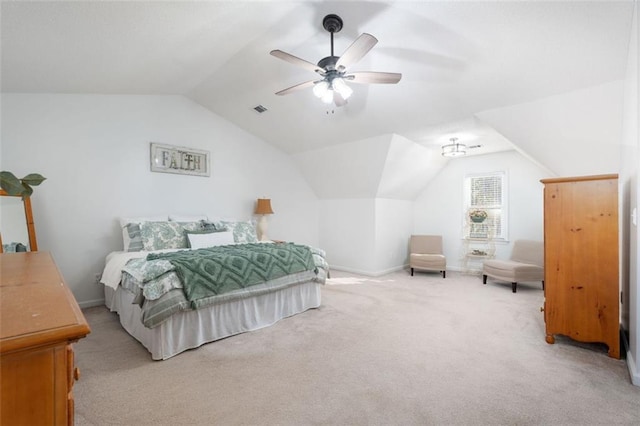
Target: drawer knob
76, 373
541, 309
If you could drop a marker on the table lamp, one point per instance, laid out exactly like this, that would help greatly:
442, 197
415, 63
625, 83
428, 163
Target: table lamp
263, 208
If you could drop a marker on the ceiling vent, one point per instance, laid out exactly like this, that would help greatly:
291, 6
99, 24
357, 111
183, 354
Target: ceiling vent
259, 108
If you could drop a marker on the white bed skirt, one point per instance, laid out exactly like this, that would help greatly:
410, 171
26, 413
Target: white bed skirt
190, 329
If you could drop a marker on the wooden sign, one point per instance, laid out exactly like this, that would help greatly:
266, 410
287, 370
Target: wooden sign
179, 160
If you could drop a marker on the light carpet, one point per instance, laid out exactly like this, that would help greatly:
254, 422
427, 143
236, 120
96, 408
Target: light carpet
393, 350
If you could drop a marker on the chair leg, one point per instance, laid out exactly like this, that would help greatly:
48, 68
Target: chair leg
411, 271
513, 287
542, 285
484, 279
444, 274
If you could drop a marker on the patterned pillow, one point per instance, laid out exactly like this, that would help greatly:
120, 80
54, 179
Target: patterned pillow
126, 233
166, 235
135, 239
208, 225
244, 232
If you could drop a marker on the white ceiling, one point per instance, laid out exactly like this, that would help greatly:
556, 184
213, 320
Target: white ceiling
457, 59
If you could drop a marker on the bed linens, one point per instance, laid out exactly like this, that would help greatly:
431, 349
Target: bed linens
156, 312
213, 271
155, 285
192, 328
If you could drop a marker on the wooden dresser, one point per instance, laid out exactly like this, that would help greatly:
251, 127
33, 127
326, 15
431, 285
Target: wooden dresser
39, 320
582, 290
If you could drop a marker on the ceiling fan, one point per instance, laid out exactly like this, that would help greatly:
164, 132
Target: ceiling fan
332, 87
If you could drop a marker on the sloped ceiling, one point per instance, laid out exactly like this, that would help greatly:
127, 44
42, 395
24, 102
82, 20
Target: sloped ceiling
387, 166
575, 133
458, 60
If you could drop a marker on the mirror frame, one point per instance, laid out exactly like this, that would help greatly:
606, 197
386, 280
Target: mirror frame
31, 228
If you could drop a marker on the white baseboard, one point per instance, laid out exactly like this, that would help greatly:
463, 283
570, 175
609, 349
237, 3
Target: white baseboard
631, 363
91, 303
368, 273
388, 271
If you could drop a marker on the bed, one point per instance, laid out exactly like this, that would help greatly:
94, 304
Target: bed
172, 299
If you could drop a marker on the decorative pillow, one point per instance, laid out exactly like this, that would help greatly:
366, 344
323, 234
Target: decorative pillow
199, 231
180, 218
209, 239
126, 232
244, 232
208, 226
165, 235
135, 239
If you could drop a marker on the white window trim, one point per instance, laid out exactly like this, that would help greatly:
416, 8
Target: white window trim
504, 237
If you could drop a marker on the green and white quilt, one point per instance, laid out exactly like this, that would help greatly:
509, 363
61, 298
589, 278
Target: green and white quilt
166, 283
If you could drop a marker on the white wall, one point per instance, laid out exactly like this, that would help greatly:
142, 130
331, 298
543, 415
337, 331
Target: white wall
393, 227
439, 209
368, 236
94, 152
630, 194
347, 234
367, 189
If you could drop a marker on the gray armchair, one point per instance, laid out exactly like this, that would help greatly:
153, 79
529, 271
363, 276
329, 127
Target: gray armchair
525, 264
425, 253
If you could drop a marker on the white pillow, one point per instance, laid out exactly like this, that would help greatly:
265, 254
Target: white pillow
180, 218
244, 232
213, 239
124, 221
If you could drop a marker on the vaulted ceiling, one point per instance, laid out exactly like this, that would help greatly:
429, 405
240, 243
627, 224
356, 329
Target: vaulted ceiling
458, 60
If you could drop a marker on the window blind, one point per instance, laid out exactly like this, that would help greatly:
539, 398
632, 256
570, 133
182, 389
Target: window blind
486, 192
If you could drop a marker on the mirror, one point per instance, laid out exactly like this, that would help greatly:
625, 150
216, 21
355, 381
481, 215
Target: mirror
17, 230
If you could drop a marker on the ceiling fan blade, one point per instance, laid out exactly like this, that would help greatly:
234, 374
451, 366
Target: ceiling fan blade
338, 99
370, 77
296, 61
296, 88
356, 51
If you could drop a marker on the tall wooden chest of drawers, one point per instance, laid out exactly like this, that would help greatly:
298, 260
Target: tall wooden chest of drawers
582, 290
39, 321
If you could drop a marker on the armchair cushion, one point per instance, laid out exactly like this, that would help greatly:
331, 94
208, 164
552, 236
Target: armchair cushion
434, 262
511, 271
425, 253
526, 263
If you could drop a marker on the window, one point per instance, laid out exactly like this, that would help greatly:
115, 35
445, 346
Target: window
486, 192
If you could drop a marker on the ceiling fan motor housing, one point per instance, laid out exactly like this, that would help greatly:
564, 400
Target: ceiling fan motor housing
328, 63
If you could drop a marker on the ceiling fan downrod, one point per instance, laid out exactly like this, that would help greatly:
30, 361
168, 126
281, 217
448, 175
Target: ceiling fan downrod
333, 24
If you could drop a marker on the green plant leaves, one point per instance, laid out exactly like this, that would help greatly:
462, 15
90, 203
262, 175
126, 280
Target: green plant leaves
10, 183
33, 179
22, 187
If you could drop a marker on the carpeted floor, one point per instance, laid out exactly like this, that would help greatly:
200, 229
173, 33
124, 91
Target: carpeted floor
393, 350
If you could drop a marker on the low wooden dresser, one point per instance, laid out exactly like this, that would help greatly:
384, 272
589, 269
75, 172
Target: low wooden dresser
39, 321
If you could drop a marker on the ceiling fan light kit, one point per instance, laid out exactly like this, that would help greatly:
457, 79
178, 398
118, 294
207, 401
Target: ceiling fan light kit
333, 87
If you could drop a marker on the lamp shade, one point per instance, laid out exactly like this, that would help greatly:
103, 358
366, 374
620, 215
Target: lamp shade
263, 206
